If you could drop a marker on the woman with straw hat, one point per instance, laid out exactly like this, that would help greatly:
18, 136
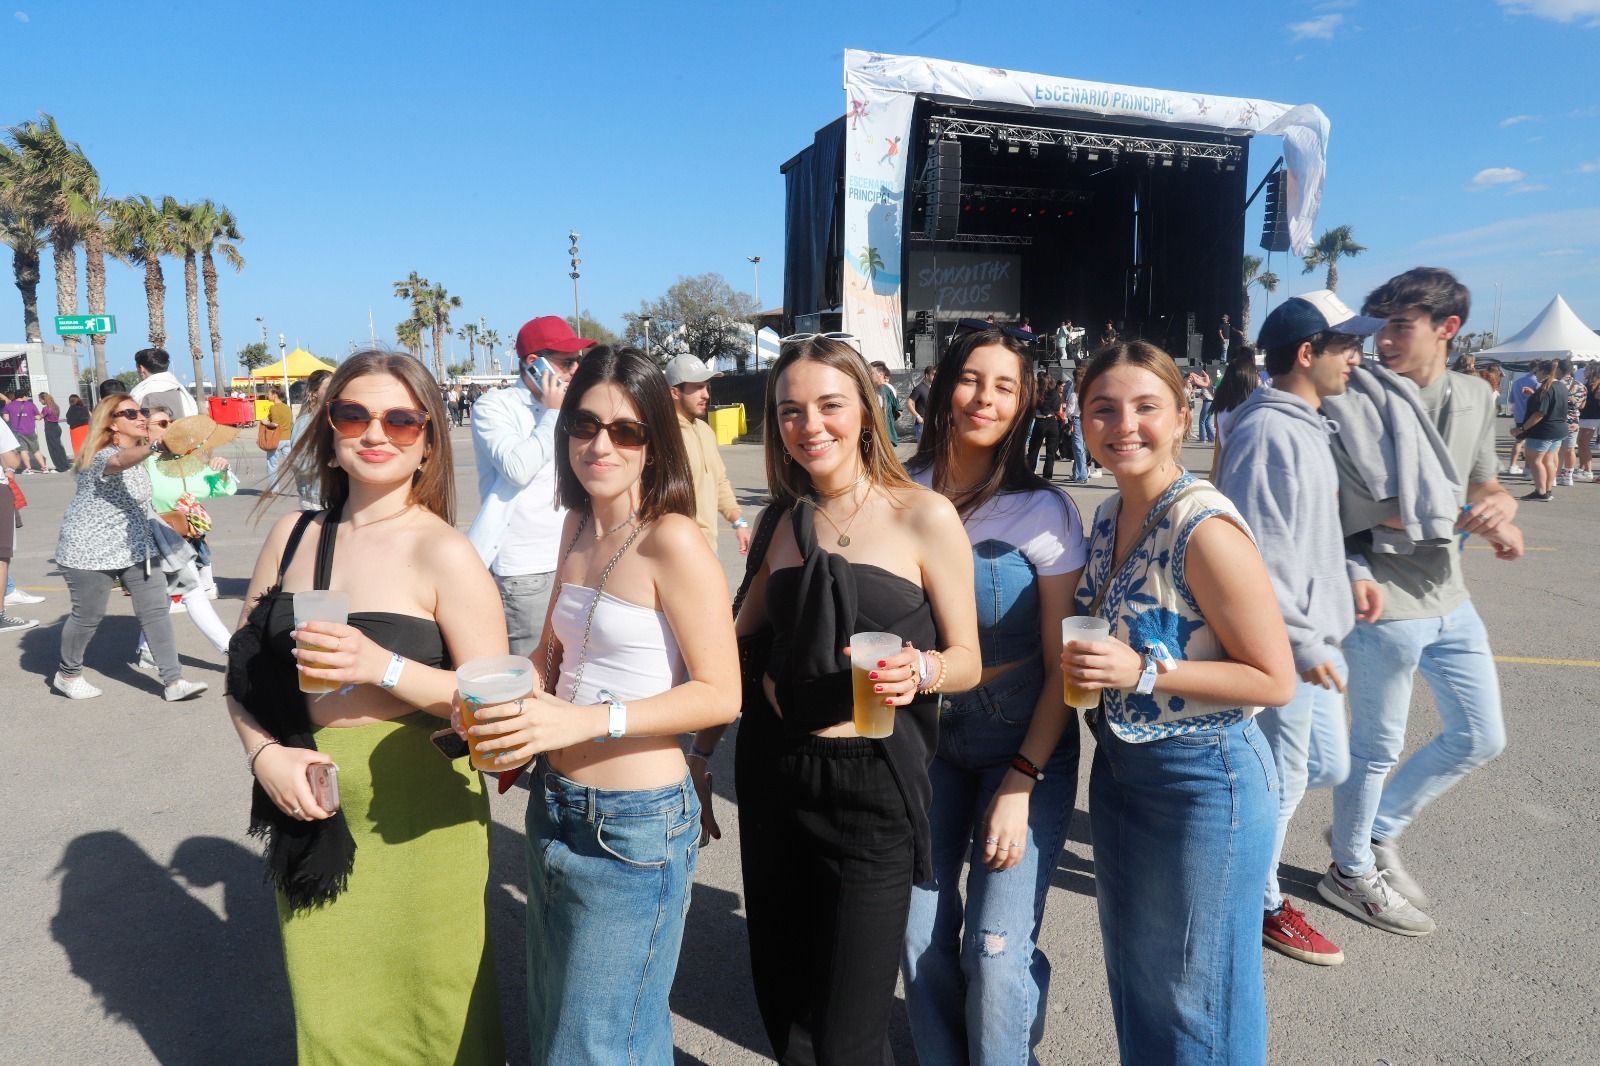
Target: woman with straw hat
185, 471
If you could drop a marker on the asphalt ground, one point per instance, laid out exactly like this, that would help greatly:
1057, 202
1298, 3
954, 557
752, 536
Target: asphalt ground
138, 927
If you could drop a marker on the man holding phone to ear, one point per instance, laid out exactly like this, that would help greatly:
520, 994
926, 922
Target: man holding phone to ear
518, 528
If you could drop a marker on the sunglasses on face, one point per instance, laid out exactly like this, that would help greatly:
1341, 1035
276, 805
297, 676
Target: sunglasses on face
624, 432
401, 425
162, 423
132, 414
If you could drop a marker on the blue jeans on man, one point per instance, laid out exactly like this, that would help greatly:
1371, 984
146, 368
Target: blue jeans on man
1311, 749
1080, 455
1208, 431
976, 980
1456, 661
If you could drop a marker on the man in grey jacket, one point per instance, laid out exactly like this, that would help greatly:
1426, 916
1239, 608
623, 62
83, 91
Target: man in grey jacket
1427, 620
1278, 469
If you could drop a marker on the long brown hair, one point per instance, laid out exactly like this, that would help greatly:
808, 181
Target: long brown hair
1145, 356
1008, 469
101, 429
433, 486
789, 481
667, 486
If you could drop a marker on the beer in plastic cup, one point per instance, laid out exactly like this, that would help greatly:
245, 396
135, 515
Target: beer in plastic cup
873, 717
323, 605
492, 679
1082, 627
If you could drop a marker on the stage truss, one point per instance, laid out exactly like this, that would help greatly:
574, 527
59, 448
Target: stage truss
1014, 137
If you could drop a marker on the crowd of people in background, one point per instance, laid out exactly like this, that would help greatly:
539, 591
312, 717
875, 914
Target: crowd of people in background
903, 824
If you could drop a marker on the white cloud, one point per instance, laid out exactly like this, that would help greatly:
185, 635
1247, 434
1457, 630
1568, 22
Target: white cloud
20, 16
1530, 234
1563, 11
1591, 167
1320, 28
1515, 120
1337, 5
1531, 186
1492, 176
1560, 252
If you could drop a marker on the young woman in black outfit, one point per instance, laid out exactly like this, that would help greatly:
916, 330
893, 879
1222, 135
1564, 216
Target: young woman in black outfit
833, 826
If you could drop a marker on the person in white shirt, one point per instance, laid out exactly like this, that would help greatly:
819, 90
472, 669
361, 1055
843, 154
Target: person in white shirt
158, 387
518, 527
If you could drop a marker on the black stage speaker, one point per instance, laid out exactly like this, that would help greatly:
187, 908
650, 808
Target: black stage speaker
1195, 347
944, 191
1275, 222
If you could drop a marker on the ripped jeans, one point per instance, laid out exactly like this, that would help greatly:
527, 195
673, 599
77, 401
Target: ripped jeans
976, 980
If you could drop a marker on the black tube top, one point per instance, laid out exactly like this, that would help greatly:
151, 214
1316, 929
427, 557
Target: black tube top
418, 639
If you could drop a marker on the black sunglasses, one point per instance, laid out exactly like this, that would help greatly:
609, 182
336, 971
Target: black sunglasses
131, 414
624, 432
401, 425
971, 325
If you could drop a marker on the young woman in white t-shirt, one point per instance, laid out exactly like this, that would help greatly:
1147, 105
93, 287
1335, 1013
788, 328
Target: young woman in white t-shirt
1006, 771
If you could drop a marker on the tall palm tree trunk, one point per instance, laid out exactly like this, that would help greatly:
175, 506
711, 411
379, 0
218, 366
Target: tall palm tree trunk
208, 269
155, 299
1333, 276
191, 293
94, 259
438, 353
472, 352
25, 267
66, 260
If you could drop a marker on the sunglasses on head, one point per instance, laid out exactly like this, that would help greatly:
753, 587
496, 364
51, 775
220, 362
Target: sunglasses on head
799, 338
972, 325
624, 432
401, 425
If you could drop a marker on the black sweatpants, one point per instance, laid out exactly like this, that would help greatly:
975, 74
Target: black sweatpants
1046, 432
828, 854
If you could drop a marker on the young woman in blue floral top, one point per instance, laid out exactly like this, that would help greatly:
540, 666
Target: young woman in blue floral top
1182, 796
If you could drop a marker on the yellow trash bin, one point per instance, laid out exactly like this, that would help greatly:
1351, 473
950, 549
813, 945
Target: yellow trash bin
727, 423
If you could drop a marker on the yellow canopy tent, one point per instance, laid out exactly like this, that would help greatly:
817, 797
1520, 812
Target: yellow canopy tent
294, 366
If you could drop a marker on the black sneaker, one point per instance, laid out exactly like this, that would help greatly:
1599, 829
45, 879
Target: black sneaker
1539, 497
9, 624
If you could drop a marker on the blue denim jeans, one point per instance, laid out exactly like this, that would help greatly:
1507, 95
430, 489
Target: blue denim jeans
1455, 659
1182, 838
1080, 455
1208, 432
275, 459
1311, 749
609, 874
976, 980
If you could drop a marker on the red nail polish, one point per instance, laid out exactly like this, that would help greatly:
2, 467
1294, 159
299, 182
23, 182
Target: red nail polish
877, 688
883, 662
873, 676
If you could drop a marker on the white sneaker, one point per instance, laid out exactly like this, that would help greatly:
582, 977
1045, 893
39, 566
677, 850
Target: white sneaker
1373, 900
1584, 475
145, 662
1095, 471
178, 607
211, 593
73, 688
1564, 479
17, 596
182, 689
1387, 855
1516, 470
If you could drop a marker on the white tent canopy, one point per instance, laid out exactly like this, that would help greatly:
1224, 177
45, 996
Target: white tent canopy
1555, 333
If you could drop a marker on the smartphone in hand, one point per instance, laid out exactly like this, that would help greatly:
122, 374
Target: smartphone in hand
536, 371
324, 780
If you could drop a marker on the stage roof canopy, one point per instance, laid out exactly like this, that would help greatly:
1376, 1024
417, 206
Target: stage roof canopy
1555, 333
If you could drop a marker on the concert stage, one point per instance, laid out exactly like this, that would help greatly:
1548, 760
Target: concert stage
949, 191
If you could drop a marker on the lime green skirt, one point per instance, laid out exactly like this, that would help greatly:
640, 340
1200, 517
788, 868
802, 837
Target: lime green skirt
398, 968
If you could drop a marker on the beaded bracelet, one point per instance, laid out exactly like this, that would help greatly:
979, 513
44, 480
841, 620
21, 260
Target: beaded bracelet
938, 681
250, 757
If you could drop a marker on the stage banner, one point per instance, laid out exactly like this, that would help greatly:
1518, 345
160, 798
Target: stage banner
880, 90
964, 284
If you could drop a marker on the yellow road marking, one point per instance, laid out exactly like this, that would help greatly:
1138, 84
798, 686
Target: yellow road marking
1592, 664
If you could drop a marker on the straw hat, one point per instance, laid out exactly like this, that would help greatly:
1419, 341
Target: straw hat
184, 448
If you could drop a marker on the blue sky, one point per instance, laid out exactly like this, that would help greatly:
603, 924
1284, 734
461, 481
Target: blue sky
356, 143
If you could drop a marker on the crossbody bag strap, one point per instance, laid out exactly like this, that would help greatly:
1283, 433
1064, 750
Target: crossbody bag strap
1152, 520
765, 527
325, 544
295, 535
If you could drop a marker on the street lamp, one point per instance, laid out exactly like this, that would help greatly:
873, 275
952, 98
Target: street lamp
755, 324
645, 318
283, 357
577, 313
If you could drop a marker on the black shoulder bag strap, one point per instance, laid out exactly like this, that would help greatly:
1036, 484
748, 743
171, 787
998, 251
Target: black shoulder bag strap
295, 536
759, 542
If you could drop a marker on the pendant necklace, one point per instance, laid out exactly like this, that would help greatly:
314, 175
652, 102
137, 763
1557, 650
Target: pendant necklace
843, 531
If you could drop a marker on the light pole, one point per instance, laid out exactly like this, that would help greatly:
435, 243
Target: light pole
1497, 286
283, 361
577, 313
645, 318
483, 331
755, 323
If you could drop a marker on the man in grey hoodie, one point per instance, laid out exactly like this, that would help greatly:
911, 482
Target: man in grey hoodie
1427, 621
1278, 469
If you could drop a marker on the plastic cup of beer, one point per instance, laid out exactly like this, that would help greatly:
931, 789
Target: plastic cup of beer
1082, 627
873, 717
321, 606
492, 679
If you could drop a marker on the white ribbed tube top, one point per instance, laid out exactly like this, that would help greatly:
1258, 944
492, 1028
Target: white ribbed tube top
632, 652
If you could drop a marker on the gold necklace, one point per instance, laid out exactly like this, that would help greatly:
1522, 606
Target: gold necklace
844, 531
861, 477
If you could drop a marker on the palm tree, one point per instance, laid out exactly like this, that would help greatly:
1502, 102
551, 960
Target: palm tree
414, 287
219, 230
469, 333
1333, 245
188, 235
140, 235
24, 234
62, 184
438, 309
871, 262
408, 335
490, 339
1253, 276
94, 272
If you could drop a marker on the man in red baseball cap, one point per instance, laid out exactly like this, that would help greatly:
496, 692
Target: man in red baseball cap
518, 528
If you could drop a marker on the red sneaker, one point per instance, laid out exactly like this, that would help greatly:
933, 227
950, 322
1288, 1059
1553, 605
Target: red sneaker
1289, 933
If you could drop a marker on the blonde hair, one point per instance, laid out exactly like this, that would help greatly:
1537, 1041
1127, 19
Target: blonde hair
101, 428
789, 481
